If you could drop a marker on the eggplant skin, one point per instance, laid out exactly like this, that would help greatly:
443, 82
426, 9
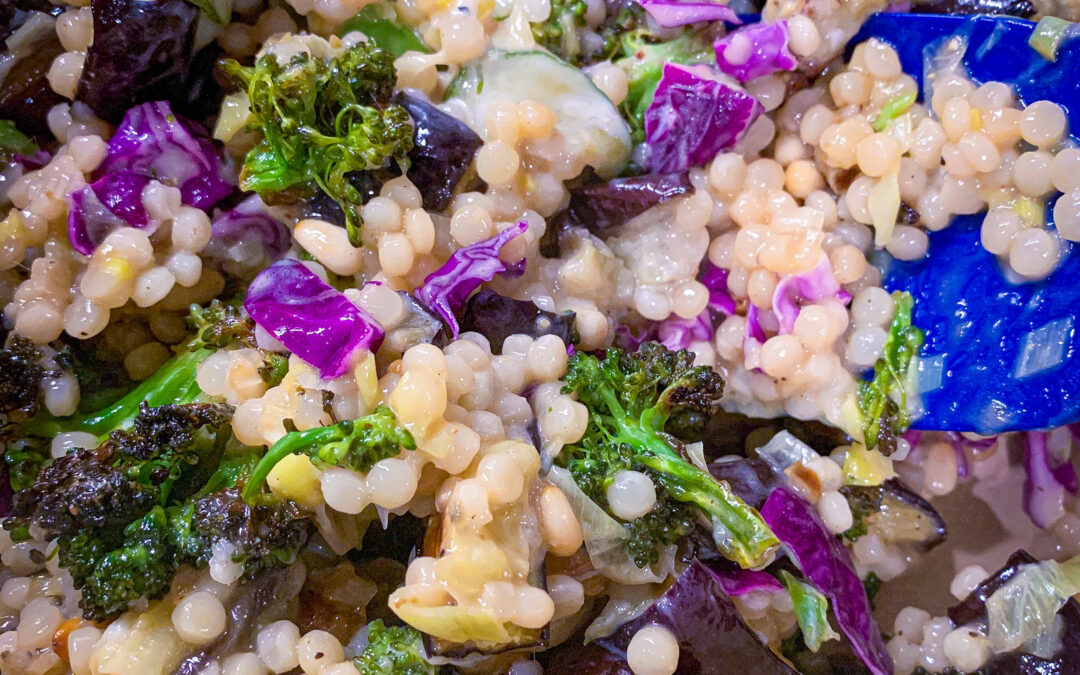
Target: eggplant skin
1021, 8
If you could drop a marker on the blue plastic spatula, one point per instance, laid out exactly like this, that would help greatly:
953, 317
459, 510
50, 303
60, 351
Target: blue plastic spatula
998, 356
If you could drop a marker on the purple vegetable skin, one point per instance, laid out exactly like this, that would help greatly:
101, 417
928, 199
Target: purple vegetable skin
675, 333
795, 291
602, 206
447, 289
312, 319
827, 565
1047, 479
697, 111
755, 51
672, 13
142, 52
713, 639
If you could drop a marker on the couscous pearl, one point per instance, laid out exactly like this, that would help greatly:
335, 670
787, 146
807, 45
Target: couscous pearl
999, 228
966, 580
653, 651
391, 482
780, 355
1034, 253
199, 618
1067, 215
966, 649
318, 649
567, 593
1043, 123
1033, 174
243, 664
559, 525
835, 512
502, 477
38, 621
631, 495
276, 646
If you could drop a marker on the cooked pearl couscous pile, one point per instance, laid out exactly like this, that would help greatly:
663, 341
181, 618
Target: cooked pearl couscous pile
513, 336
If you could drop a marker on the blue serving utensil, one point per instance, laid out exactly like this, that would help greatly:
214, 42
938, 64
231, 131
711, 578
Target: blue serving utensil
999, 356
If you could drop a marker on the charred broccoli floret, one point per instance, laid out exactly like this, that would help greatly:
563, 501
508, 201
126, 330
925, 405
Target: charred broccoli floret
393, 650
352, 444
110, 506
266, 534
322, 120
20, 378
631, 398
114, 570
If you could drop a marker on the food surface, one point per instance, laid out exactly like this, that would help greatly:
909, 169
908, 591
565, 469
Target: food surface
535, 336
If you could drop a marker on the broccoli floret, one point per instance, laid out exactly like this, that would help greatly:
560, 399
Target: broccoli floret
323, 121
114, 572
21, 374
85, 489
109, 506
266, 534
630, 398
393, 650
883, 400
666, 523
352, 444
25, 460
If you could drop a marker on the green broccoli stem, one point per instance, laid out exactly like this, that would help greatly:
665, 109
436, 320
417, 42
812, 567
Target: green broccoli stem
174, 382
738, 529
291, 443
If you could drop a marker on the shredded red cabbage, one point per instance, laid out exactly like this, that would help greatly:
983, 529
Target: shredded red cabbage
697, 111
110, 202
715, 280
311, 318
1048, 477
151, 143
672, 13
152, 140
447, 289
247, 236
736, 582
827, 565
794, 291
755, 51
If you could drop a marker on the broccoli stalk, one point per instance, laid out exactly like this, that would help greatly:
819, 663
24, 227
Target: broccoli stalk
393, 650
173, 383
630, 398
352, 444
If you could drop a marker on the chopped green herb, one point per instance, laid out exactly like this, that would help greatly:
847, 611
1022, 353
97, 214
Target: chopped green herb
13, 141
893, 109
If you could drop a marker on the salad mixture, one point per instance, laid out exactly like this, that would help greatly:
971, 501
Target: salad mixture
524, 336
